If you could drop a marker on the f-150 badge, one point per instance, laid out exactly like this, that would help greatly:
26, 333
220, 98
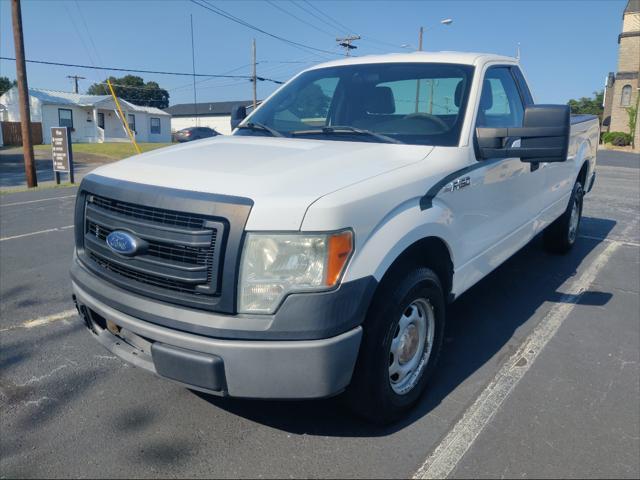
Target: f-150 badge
457, 184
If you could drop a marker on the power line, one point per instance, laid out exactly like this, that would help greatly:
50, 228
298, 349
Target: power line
228, 16
157, 72
342, 26
287, 12
86, 27
346, 43
315, 16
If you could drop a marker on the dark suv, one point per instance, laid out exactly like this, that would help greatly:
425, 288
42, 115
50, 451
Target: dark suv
194, 133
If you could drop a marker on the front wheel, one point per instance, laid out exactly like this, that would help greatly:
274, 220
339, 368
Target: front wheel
561, 235
401, 343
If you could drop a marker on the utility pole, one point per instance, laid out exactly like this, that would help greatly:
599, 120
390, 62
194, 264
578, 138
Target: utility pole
75, 79
420, 35
346, 43
23, 95
193, 66
254, 77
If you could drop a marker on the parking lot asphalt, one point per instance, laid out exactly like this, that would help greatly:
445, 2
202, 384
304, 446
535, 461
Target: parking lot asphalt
70, 408
12, 166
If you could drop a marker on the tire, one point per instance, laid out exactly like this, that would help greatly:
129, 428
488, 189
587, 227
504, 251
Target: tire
561, 235
375, 393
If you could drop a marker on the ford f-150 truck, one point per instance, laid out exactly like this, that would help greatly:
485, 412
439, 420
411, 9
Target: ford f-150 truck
313, 252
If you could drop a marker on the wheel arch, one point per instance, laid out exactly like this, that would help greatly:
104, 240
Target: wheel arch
432, 252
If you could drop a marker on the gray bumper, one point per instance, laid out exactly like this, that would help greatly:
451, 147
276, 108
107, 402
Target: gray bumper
284, 369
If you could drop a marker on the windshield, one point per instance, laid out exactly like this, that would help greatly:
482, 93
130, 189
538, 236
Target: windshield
414, 103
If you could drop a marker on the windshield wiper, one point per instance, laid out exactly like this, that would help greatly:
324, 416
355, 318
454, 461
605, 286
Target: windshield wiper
345, 129
261, 126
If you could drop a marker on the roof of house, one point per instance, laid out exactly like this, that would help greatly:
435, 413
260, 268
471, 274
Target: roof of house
205, 109
633, 6
55, 97
66, 98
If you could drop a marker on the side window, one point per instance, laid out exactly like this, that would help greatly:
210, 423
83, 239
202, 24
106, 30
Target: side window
131, 119
524, 88
65, 117
500, 102
310, 108
625, 98
155, 125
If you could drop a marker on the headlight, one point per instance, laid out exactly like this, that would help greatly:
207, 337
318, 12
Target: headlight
274, 265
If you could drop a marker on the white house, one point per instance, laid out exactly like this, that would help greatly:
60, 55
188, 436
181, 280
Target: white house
216, 115
92, 118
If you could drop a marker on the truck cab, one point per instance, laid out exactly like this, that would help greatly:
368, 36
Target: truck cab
313, 252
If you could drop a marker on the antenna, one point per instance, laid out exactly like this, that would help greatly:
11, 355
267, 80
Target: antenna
518, 51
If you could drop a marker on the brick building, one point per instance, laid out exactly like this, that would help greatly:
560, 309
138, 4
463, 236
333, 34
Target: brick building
621, 89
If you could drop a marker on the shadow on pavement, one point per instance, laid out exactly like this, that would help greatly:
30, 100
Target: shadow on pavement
479, 325
12, 165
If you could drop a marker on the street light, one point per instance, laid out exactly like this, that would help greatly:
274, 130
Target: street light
409, 46
446, 21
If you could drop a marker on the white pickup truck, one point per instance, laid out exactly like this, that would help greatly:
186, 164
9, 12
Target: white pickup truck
314, 251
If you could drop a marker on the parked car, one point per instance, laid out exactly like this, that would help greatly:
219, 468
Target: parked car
194, 133
313, 252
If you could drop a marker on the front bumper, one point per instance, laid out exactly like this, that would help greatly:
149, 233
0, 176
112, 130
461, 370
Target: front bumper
284, 369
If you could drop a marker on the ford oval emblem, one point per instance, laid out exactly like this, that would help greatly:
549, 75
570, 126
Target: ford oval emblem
123, 243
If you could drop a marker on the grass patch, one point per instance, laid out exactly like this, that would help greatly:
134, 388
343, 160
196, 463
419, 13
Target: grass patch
46, 186
116, 151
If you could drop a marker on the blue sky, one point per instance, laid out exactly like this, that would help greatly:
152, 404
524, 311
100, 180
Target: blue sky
567, 47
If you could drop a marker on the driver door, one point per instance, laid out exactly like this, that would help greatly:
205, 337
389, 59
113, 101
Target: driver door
497, 200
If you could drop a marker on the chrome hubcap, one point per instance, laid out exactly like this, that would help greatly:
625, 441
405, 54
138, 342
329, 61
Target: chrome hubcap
573, 221
411, 346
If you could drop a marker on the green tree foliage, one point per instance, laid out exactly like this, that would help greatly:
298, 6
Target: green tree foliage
6, 84
134, 89
588, 106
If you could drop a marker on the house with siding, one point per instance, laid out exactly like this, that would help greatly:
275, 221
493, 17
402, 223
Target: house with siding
92, 118
216, 115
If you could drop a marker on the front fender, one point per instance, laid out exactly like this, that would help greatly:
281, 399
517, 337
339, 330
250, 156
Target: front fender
398, 231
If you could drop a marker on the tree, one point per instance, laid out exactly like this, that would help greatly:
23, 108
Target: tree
6, 84
134, 89
632, 112
589, 106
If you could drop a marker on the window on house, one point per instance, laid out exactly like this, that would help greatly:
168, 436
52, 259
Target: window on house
131, 118
101, 120
625, 99
155, 125
65, 117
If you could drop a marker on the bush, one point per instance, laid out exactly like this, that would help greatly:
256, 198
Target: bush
619, 139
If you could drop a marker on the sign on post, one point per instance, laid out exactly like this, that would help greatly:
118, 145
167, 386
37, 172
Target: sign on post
61, 152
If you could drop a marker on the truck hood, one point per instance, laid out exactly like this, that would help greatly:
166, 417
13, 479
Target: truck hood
282, 176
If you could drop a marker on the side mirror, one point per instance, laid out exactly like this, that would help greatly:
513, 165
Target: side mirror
544, 136
238, 113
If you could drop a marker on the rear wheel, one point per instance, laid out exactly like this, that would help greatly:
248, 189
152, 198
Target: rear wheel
401, 343
561, 235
